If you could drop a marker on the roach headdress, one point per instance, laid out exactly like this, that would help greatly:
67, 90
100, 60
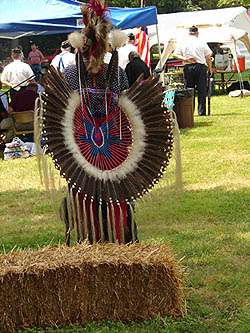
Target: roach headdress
92, 42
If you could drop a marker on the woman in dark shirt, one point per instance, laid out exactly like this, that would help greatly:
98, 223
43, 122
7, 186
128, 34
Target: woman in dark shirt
135, 68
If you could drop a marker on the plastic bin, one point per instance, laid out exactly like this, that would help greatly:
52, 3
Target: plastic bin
184, 107
242, 64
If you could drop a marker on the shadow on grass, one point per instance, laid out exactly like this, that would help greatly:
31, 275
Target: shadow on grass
203, 124
29, 219
164, 211
188, 130
226, 114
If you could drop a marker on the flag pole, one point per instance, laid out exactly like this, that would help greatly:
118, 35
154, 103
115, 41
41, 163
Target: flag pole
160, 55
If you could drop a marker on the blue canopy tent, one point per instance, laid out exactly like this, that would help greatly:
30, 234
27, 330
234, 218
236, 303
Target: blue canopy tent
20, 18
30, 17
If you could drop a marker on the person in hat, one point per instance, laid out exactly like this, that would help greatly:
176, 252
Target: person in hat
65, 58
135, 68
196, 56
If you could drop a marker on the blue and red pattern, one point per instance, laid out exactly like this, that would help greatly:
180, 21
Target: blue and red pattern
102, 130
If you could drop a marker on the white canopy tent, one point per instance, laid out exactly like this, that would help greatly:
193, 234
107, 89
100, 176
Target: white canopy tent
230, 26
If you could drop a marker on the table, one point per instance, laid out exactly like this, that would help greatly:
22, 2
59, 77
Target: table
226, 78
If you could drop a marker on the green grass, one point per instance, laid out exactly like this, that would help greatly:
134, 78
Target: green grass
208, 226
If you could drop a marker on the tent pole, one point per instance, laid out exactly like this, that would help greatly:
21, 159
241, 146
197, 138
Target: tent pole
160, 55
240, 79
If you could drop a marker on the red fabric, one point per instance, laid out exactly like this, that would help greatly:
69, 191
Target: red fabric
24, 100
96, 6
124, 212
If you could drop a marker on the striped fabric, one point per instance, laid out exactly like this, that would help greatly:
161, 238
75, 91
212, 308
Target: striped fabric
142, 43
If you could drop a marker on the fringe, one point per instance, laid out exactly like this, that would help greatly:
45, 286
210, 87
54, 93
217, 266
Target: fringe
100, 221
73, 205
112, 210
37, 133
177, 147
132, 222
121, 221
85, 220
46, 171
92, 221
70, 213
109, 227
79, 217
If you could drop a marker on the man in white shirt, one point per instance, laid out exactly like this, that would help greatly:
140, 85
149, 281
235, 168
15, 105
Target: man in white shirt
17, 73
196, 56
124, 51
65, 58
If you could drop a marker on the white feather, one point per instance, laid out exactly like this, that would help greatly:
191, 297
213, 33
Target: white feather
76, 39
118, 38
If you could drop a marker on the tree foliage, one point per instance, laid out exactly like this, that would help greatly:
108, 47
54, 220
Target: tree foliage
233, 3
171, 6
163, 6
204, 4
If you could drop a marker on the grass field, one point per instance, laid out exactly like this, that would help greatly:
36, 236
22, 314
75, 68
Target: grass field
208, 226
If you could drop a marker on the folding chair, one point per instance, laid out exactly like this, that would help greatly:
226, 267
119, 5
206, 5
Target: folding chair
23, 122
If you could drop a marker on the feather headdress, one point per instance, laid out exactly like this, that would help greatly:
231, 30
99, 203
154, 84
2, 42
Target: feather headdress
92, 42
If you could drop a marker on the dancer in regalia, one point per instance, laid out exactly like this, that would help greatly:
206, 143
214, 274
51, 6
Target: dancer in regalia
111, 143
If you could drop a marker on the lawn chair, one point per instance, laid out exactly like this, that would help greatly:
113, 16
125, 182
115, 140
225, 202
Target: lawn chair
23, 122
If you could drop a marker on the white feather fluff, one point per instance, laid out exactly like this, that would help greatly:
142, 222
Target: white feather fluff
118, 38
76, 39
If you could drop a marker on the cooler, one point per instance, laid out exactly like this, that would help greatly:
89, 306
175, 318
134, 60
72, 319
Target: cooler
242, 64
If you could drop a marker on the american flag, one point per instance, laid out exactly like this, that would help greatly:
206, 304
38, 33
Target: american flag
142, 43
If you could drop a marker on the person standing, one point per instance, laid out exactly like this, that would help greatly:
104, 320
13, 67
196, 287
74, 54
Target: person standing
196, 56
17, 75
35, 58
65, 58
135, 68
125, 50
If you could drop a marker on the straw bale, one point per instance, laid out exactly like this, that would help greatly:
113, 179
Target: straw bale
69, 286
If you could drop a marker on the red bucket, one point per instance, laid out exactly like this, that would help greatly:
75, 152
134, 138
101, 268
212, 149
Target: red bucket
242, 64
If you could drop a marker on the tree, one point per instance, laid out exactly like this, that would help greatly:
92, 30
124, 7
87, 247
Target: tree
163, 6
204, 4
233, 3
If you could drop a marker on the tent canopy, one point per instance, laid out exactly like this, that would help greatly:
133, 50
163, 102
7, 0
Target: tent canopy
225, 26
39, 16
232, 17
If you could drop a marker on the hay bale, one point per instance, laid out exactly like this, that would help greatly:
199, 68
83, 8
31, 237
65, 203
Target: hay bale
69, 286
